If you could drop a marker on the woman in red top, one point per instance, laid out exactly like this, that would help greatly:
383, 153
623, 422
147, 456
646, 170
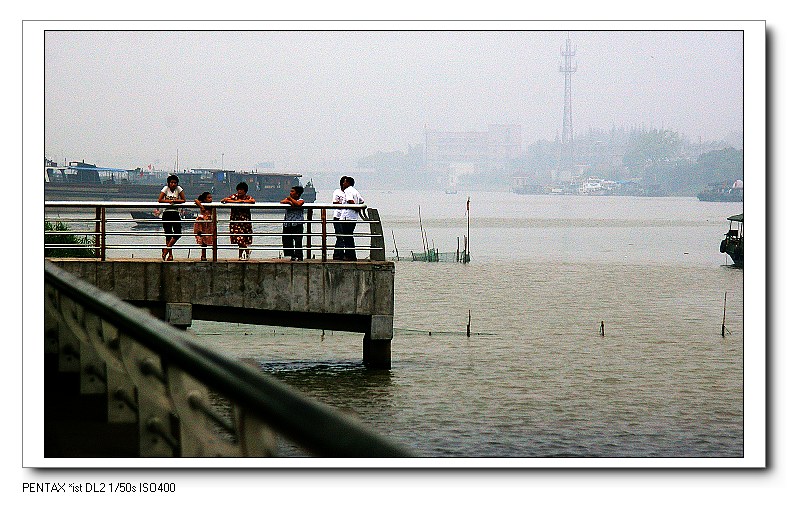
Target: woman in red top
204, 227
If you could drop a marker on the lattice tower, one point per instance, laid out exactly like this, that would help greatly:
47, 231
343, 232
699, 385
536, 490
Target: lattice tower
567, 136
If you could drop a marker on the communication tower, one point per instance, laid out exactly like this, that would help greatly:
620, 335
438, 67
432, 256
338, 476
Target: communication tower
567, 136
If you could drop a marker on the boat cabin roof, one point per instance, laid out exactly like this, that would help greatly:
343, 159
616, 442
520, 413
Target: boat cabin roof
737, 218
242, 172
74, 169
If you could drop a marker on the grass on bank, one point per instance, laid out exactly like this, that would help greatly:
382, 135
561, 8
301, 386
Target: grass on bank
63, 238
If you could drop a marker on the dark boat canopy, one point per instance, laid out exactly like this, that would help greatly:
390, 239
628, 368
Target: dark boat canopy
737, 218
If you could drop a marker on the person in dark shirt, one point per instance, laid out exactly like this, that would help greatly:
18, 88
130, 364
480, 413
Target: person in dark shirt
293, 227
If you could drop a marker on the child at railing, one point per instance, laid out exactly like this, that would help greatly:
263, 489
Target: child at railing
204, 227
241, 219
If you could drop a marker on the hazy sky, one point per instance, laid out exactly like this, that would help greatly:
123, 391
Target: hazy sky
310, 100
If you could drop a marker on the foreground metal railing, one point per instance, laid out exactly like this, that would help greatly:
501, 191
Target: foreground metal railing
111, 226
153, 375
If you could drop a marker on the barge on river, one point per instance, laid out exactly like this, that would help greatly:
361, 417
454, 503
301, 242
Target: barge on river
80, 181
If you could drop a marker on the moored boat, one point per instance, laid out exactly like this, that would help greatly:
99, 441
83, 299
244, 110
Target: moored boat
733, 243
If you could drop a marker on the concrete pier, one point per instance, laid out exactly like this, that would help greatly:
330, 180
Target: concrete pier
324, 295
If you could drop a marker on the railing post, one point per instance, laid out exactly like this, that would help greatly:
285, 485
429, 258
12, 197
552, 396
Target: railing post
97, 230
309, 234
377, 251
323, 224
100, 228
214, 245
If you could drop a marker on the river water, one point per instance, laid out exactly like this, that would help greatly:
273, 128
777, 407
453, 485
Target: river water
536, 378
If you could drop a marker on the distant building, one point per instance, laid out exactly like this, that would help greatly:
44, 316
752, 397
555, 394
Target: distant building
481, 151
505, 143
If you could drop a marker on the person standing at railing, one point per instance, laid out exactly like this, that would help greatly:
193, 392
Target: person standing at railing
339, 199
293, 227
349, 217
171, 194
241, 219
204, 227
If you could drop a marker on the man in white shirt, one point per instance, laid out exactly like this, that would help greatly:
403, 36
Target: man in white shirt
349, 216
338, 199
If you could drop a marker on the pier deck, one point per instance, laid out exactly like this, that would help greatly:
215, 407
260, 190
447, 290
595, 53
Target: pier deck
329, 295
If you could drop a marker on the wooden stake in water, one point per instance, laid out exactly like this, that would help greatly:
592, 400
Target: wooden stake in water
423, 236
602, 329
724, 305
468, 236
396, 251
468, 330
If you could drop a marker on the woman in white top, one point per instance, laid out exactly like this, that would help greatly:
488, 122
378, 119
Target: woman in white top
171, 194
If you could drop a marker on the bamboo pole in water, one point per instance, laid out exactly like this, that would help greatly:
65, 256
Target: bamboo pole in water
423, 238
468, 236
396, 251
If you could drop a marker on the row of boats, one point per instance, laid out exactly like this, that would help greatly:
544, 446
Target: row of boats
729, 191
80, 181
591, 186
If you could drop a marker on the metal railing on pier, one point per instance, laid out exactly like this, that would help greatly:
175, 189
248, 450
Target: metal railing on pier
101, 229
154, 376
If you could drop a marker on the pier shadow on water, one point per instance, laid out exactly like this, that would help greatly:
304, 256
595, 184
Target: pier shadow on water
347, 386
336, 383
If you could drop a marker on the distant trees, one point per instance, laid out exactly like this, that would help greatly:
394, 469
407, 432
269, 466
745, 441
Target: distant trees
649, 150
721, 165
658, 159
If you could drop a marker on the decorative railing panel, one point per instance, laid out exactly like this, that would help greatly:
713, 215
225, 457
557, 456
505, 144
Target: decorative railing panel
153, 375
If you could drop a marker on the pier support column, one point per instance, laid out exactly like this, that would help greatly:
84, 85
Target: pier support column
377, 342
179, 314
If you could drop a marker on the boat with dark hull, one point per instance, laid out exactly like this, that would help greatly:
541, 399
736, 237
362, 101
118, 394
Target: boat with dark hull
80, 181
733, 243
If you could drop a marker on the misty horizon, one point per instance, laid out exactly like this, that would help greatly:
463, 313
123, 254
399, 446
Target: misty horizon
317, 101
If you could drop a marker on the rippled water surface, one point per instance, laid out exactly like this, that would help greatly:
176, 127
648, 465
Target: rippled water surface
536, 378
